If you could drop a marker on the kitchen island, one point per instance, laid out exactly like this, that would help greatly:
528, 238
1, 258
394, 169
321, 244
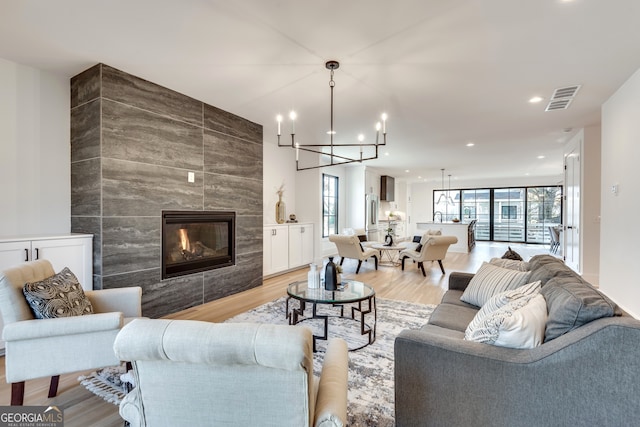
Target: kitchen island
464, 231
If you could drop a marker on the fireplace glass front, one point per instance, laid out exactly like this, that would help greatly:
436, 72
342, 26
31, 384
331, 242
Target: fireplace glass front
196, 241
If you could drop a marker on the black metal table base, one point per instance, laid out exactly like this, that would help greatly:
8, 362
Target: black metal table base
296, 315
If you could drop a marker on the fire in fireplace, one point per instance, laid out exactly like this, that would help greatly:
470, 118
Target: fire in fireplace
194, 241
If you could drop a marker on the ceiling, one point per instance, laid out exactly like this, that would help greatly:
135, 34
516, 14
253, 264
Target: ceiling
446, 72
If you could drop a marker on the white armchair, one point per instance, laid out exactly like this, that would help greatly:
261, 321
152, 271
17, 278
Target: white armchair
431, 248
349, 246
38, 348
194, 373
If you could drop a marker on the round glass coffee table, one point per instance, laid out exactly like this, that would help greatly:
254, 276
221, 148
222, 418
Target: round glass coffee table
357, 296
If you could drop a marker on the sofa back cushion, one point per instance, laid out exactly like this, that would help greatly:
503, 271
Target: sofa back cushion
572, 302
491, 280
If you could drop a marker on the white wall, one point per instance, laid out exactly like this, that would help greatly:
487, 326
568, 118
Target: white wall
34, 151
619, 231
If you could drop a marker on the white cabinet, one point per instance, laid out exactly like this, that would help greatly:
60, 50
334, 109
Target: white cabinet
287, 246
71, 250
276, 249
300, 245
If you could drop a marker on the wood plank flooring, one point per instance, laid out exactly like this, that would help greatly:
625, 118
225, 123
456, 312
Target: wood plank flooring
83, 409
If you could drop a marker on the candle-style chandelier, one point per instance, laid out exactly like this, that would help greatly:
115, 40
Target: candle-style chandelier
331, 148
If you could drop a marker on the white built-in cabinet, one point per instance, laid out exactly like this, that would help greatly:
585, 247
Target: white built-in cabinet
68, 250
287, 246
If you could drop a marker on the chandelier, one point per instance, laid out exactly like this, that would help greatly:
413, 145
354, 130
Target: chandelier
332, 150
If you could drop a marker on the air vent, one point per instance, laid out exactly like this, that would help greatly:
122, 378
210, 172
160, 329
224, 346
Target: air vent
565, 92
560, 104
562, 97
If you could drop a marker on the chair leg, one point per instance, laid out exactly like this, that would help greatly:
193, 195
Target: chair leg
375, 261
53, 386
17, 393
421, 267
402, 261
341, 260
359, 264
441, 267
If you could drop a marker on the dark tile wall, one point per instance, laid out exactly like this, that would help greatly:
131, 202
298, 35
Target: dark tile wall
132, 145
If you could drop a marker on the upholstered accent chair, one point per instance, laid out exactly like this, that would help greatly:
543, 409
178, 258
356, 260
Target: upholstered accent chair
195, 373
349, 246
431, 248
37, 348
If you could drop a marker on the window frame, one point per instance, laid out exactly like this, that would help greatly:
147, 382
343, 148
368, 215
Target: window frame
326, 198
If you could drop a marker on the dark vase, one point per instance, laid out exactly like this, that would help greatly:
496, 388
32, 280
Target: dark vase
388, 240
331, 276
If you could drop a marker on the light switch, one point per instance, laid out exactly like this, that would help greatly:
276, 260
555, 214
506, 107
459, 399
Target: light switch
191, 177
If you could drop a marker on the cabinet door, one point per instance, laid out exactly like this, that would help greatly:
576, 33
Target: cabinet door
307, 244
74, 253
300, 245
13, 254
276, 249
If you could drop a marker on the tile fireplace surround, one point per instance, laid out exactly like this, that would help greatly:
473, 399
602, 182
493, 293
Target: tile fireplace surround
133, 146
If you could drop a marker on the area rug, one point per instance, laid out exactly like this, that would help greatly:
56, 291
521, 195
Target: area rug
371, 389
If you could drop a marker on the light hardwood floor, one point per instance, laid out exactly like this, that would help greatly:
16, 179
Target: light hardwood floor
83, 409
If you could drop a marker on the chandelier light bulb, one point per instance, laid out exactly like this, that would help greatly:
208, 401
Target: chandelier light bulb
378, 127
279, 120
361, 137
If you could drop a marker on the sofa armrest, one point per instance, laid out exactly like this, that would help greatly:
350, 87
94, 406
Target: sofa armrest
459, 280
331, 402
62, 326
126, 300
498, 383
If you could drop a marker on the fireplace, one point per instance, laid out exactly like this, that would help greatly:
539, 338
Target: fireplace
194, 241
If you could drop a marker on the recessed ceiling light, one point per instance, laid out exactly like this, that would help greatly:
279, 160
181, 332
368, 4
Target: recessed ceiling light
331, 132
535, 99
541, 157
386, 154
470, 144
407, 170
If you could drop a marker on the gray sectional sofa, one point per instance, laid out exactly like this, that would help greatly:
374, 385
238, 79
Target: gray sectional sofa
588, 375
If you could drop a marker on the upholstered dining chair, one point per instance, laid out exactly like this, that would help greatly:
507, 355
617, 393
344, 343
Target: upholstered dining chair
194, 373
349, 246
48, 347
431, 248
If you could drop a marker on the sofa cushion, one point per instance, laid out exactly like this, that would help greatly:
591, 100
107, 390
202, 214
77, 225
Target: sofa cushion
571, 303
491, 280
518, 324
451, 316
452, 296
498, 301
60, 295
511, 264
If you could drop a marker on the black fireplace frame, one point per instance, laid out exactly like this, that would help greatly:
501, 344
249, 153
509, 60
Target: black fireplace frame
200, 265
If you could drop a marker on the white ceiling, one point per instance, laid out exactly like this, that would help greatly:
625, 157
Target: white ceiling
447, 72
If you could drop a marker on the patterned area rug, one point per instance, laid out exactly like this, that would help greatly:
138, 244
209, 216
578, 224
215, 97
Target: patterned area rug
371, 389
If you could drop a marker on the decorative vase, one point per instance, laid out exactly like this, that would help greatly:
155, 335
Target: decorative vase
388, 240
280, 210
331, 276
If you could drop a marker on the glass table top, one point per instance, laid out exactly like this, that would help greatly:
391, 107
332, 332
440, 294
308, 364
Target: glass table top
350, 291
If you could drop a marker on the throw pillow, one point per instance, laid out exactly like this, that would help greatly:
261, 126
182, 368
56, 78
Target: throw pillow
500, 300
60, 295
491, 280
519, 324
511, 254
362, 237
511, 264
416, 239
573, 303
419, 247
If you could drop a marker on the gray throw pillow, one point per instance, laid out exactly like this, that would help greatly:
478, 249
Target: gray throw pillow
572, 303
60, 295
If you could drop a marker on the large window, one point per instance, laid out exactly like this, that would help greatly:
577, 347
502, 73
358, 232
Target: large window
329, 205
504, 214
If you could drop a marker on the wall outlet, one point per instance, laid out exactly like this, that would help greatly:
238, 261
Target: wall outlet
191, 177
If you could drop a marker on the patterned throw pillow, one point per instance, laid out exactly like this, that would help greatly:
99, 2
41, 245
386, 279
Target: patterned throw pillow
519, 324
498, 301
491, 280
511, 254
511, 264
60, 295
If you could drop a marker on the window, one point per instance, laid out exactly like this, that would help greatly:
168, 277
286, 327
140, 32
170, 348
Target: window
509, 212
329, 205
